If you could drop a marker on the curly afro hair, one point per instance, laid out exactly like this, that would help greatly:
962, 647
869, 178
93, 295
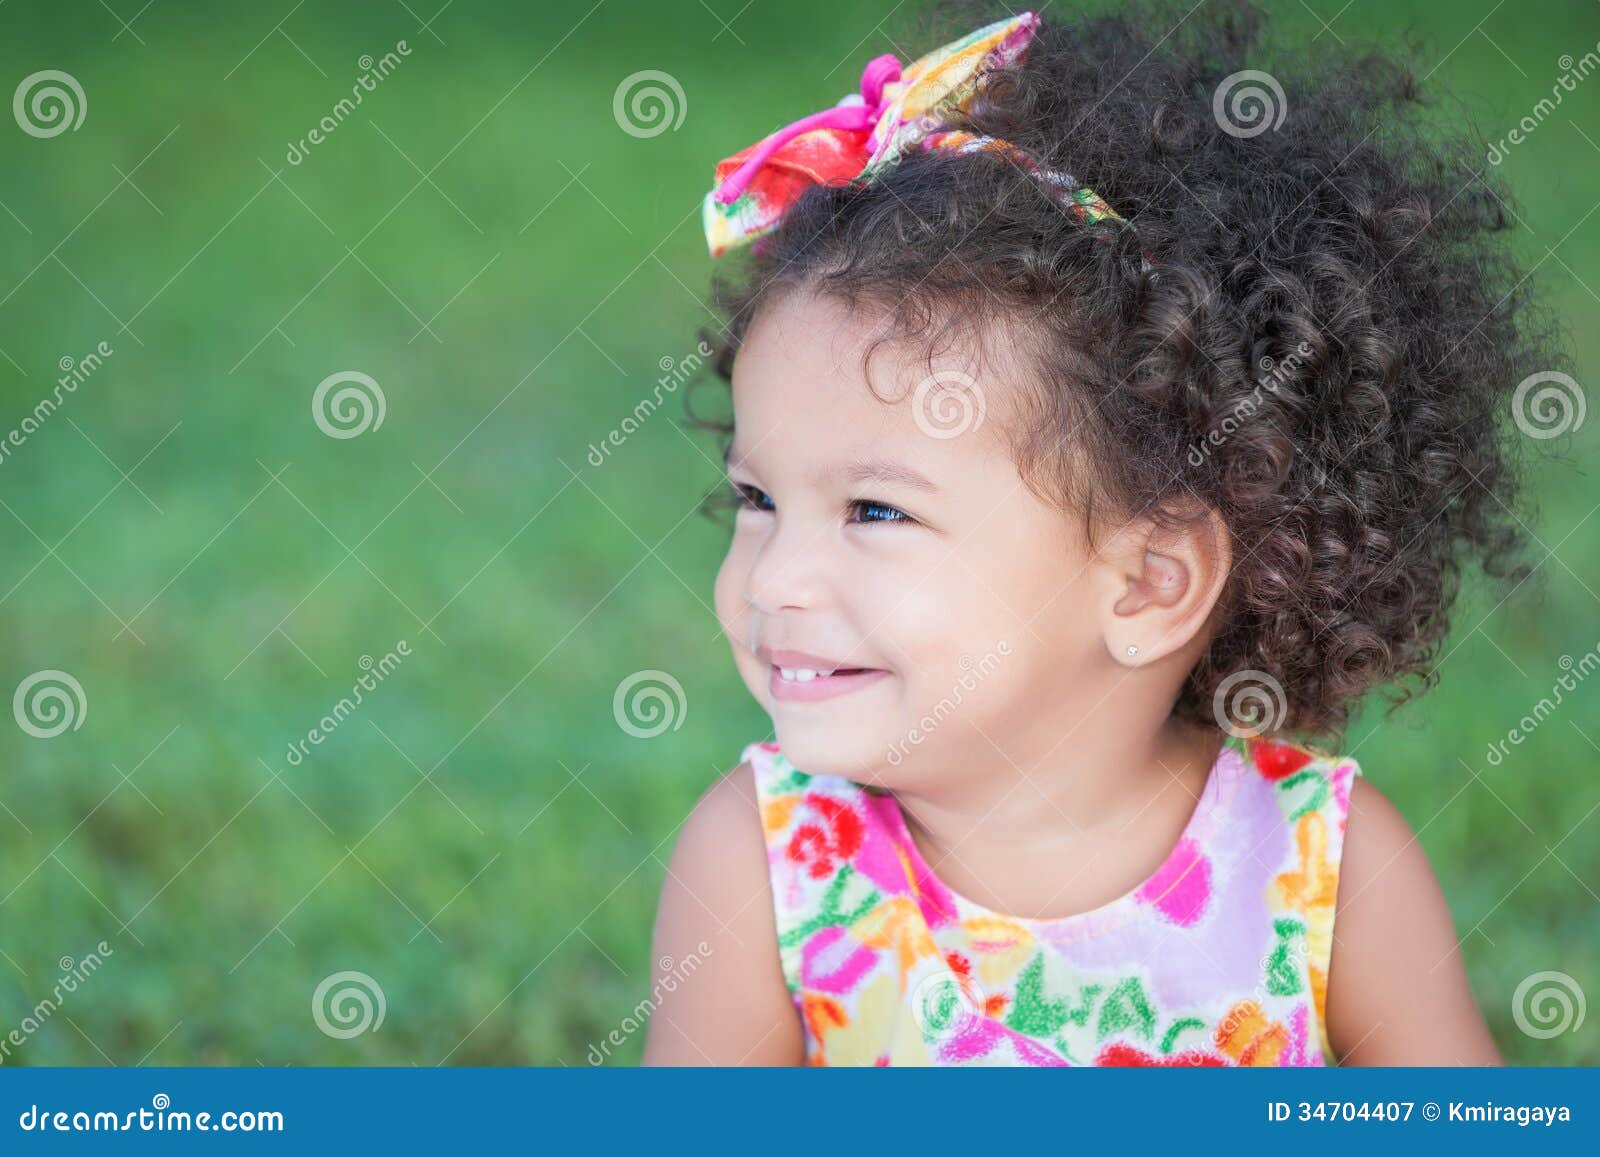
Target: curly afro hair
1323, 354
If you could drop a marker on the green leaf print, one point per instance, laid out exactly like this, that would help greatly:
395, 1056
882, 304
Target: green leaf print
1060, 1045
829, 914
1170, 1038
1080, 1015
1031, 1013
1315, 793
1283, 962
793, 782
1127, 1007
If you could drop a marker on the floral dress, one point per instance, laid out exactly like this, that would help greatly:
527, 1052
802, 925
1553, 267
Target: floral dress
1219, 958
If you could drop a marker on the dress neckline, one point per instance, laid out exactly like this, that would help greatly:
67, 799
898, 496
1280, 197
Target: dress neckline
1185, 856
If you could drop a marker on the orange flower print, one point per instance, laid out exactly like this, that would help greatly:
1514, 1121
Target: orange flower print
1246, 1035
1314, 887
822, 1014
1312, 890
896, 924
858, 1040
992, 1004
776, 813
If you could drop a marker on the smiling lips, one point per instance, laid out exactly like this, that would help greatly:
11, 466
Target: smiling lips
800, 677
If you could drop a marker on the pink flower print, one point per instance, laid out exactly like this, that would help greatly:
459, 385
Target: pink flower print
1181, 887
879, 860
975, 1037
1343, 777
1299, 1052
834, 961
937, 903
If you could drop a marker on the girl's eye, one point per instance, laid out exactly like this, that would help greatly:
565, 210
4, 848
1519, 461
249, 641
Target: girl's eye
740, 496
744, 497
750, 497
878, 512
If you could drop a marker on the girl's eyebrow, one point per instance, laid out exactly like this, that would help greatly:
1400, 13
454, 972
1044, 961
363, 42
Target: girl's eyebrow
864, 471
889, 473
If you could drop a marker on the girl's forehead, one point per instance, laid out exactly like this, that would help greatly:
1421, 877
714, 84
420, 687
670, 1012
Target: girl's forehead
840, 425
814, 361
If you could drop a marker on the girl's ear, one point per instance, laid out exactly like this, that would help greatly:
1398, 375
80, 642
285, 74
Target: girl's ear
1160, 585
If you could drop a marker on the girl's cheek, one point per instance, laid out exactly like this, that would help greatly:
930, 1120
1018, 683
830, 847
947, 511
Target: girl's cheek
730, 580
913, 625
733, 615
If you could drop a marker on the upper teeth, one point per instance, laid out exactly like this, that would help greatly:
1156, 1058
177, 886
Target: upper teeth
801, 674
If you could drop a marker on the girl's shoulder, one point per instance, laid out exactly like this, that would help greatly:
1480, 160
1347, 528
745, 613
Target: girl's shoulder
1403, 996
707, 926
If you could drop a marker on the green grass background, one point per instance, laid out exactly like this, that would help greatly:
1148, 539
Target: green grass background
481, 837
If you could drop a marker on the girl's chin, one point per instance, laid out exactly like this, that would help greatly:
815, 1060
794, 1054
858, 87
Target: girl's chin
829, 751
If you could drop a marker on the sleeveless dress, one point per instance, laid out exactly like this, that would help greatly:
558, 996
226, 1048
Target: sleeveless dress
1219, 958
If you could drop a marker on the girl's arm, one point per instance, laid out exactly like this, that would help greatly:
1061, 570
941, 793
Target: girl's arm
1397, 990
720, 992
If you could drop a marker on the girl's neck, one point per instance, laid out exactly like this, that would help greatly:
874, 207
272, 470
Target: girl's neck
1013, 836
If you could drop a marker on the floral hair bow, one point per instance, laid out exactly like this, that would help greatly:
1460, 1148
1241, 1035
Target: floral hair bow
898, 110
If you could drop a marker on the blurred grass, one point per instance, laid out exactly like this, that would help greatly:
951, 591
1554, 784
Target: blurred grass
481, 837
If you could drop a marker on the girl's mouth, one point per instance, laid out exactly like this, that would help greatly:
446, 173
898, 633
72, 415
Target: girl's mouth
808, 684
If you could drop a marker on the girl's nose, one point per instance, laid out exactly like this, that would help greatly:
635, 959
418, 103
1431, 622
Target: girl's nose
786, 573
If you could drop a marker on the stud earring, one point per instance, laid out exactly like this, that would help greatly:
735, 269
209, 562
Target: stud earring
1132, 650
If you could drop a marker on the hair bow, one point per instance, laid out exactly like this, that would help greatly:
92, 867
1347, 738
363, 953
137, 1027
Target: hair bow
897, 110
862, 132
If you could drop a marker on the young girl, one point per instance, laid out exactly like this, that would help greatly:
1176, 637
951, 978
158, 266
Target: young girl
1105, 411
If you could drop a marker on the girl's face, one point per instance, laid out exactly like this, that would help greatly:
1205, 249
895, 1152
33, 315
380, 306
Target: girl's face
894, 543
